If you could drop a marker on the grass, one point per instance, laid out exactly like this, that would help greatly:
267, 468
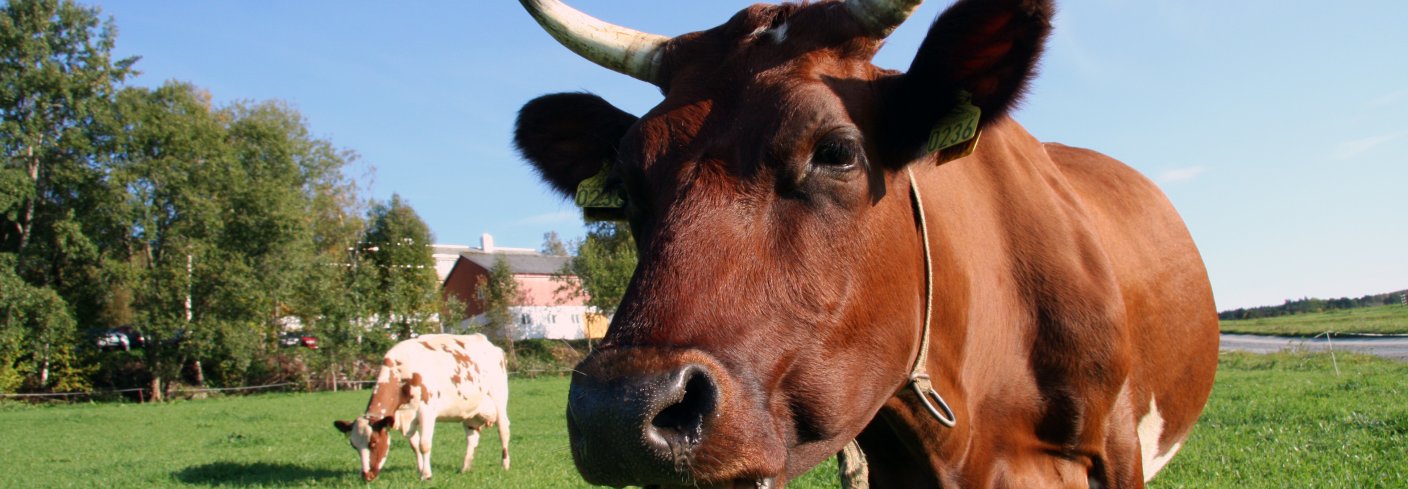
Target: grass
1373, 320
276, 440
1282, 420
1286, 420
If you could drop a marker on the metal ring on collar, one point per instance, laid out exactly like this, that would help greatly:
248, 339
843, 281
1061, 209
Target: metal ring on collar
929, 396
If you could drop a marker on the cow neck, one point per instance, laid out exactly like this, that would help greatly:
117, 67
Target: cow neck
919, 375
386, 395
853, 468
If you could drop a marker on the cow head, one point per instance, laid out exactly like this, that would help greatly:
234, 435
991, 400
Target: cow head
370, 437
778, 298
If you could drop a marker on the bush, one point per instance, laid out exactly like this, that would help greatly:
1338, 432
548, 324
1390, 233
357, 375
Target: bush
536, 357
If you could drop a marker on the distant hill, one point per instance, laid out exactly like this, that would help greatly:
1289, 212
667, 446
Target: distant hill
1309, 305
1375, 320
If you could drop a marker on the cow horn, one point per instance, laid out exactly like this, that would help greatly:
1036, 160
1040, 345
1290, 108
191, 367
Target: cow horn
628, 51
881, 17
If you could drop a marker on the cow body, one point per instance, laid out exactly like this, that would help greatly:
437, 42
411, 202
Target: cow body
780, 302
427, 379
1074, 326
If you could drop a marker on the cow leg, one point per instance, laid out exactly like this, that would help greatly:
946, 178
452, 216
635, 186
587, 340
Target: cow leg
1124, 461
413, 437
503, 431
472, 441
427, 436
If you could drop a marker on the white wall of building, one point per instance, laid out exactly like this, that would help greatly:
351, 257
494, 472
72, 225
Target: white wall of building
550, 322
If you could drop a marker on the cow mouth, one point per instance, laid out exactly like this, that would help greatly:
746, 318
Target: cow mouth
759, 483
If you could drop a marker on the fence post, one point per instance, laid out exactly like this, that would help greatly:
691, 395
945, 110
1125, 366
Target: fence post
1330, 345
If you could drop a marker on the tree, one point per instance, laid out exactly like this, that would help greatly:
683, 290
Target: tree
498, 293
552, 244
59, 213
331, 301
404, 267
296, 219
174, 159
203, 226
345, 287
605, 261
224, 241
57, 79
36, 336
452, 313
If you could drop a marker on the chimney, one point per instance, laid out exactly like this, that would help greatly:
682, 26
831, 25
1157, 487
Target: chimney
487, 242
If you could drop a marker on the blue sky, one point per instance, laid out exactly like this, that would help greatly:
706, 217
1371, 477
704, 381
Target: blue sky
1279, 130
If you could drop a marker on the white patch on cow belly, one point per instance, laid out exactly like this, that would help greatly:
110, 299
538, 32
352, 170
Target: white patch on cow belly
1154, 465
1151, 428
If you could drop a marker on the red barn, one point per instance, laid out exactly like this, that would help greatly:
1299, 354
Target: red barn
543, 311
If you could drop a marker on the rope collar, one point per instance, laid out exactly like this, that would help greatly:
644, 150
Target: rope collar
919, 375
955, 136
854, 469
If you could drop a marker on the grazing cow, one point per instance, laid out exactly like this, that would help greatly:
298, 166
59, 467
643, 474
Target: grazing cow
436, 377
833, 261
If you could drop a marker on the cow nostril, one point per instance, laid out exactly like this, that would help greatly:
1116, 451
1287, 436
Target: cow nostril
681, 425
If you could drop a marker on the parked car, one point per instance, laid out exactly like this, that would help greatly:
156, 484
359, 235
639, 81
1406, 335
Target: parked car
124, 337
295, 339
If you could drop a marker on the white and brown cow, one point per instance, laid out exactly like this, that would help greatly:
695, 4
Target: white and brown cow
430, 378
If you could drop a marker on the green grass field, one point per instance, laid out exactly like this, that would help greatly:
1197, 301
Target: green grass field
275, 440
1274, 421
1374, 320
1286, 420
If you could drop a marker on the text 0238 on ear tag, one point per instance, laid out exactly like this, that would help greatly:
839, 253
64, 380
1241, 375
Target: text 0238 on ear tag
957, 127
593, 193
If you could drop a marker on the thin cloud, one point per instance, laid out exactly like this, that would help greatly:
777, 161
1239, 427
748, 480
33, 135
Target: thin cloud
1388, 99
1181, 175
1355, 147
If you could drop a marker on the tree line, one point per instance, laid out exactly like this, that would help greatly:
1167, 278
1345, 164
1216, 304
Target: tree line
1310, 305
211, 229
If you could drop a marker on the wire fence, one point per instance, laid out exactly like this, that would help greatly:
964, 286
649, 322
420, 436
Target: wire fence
143, 392
42, 395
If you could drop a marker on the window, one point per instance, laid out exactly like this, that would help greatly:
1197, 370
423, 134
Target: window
527, 319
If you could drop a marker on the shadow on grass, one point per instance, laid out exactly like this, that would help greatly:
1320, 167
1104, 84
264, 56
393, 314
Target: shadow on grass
257, 473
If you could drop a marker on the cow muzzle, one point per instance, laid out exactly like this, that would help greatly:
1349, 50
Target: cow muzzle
647, 417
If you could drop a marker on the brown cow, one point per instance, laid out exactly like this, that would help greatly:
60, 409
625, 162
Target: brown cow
814, 270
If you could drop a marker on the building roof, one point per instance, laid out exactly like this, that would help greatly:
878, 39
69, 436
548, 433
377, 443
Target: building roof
520, 262
445, 257
448, 249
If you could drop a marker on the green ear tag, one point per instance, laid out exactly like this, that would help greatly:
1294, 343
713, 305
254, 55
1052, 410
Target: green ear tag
593, 193
957, 127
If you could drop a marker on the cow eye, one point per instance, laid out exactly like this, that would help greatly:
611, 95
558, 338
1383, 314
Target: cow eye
836, 152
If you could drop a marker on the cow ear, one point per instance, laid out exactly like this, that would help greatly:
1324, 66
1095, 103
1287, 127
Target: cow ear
383, 423
569, 136
343, 426
983, 49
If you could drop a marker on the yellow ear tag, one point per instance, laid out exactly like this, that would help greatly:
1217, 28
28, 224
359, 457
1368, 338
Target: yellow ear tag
956, 134
593, 194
